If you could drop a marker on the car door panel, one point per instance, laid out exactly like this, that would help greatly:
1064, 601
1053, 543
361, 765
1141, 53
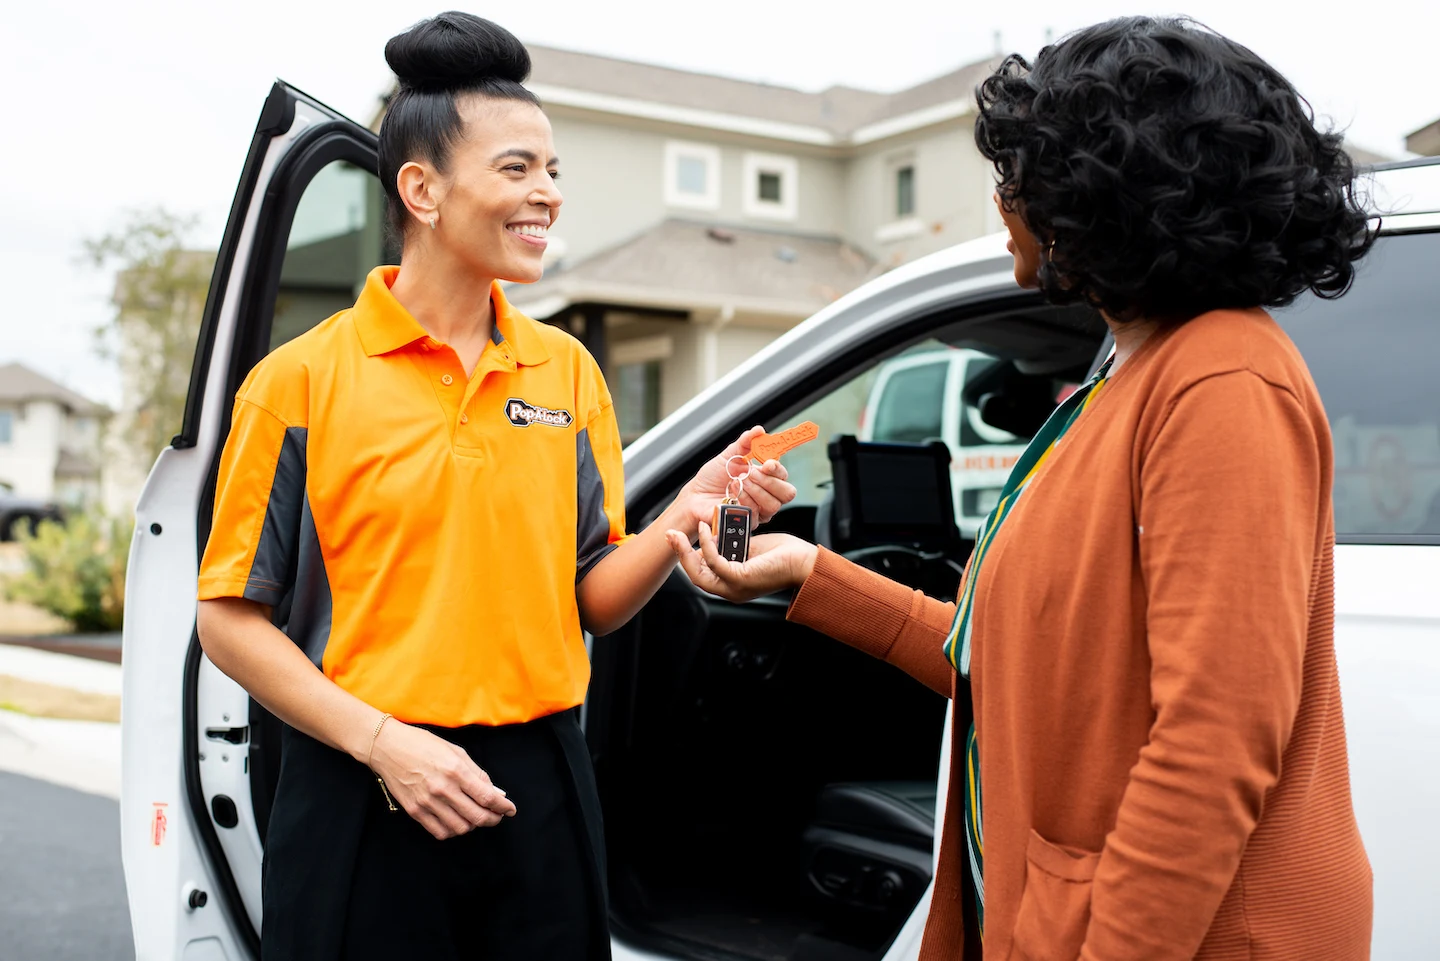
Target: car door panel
189, 831
1387, 623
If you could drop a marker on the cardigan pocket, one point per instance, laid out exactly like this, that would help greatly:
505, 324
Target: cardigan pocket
1055, 906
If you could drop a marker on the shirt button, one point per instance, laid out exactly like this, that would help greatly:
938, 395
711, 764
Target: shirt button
447, 380
464, 418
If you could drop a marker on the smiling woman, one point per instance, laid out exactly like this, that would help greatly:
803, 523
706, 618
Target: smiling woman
419, 512
467, 160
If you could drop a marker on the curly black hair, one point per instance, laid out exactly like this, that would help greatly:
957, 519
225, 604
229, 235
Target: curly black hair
1167, 170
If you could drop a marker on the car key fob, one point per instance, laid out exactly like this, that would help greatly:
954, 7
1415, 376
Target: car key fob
732, 531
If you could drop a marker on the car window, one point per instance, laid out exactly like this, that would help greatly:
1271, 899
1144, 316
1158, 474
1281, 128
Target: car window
909, 408
912, 403
337, 237
1373, 356
840, 411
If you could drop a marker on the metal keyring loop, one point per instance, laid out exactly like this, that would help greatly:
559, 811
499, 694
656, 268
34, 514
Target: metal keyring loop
742, 459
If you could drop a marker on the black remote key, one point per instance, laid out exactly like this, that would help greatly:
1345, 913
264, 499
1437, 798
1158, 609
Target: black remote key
732, 528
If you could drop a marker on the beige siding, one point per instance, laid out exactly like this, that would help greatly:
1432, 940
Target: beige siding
613, 180
611, 177
952, 191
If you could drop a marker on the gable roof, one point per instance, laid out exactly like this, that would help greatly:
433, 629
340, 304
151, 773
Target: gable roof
840, 111
836, 116
682, 265
19, 383
837, 110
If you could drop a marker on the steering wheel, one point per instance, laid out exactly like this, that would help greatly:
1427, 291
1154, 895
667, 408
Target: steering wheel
934, 573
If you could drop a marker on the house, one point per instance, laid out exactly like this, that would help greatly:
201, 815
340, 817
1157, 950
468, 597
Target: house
50, 438
1425, 141
705, 216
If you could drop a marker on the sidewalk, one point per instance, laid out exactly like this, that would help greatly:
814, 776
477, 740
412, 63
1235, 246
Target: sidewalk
80, 754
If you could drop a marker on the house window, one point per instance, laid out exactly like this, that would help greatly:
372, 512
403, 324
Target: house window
637, 398
897, 200
637, 365
7, 426
904, 191
771, 186
692, 175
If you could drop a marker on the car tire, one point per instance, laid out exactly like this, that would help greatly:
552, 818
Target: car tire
20, 522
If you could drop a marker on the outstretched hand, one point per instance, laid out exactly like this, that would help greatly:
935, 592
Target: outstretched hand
776, 562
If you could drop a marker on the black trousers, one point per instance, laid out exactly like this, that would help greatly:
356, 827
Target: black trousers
350, 880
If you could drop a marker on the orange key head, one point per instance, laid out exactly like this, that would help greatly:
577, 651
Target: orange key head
771, 446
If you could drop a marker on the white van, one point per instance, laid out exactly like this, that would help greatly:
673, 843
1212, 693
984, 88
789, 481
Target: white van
919, 397
697, 695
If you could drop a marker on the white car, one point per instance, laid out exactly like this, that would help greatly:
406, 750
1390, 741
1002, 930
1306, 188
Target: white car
839, 756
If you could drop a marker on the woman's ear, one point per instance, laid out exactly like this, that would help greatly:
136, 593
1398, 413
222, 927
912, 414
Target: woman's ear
419, 187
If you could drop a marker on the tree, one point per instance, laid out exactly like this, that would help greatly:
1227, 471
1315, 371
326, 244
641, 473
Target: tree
159, 296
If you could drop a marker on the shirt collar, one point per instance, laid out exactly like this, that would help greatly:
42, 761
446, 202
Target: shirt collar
385, 326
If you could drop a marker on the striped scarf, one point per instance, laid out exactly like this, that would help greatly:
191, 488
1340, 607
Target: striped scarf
957, 642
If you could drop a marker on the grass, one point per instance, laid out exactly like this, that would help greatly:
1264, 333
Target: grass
50, 700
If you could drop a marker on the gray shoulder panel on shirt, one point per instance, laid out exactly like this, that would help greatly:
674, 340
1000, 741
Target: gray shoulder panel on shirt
288, 572
308, 623
273, 568
592, 526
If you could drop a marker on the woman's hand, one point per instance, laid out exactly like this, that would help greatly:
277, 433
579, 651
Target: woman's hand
776, 561
764, 491
436, 782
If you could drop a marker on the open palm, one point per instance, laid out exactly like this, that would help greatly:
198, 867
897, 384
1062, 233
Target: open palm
776, 562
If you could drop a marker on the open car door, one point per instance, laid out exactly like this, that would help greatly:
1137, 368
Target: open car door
305, 228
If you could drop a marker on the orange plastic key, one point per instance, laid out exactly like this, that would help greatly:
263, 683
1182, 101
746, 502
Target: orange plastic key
768, 447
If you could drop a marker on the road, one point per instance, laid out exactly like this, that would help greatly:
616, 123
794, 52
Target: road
62, 891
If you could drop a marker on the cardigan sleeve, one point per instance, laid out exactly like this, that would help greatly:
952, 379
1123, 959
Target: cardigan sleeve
1228, 492
884, 619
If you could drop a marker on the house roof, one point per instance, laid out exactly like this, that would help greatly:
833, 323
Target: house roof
19, 383
837, 113
1363, 156
71, 464
685, 266
1425, 141
838, 109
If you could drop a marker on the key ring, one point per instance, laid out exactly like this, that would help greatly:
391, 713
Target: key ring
737, 479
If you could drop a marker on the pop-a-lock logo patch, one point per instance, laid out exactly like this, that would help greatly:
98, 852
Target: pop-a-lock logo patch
522, 414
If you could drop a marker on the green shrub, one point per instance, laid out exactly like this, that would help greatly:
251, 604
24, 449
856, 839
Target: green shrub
76, 570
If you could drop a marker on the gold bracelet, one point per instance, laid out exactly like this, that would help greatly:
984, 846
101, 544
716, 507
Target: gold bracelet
375, 734
371, 756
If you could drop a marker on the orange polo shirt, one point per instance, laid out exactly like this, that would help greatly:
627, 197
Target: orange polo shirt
420, 534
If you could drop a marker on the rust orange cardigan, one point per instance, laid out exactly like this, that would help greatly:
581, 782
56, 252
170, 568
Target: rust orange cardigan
1153, 678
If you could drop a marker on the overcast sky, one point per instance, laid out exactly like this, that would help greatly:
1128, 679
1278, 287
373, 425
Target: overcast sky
114, 106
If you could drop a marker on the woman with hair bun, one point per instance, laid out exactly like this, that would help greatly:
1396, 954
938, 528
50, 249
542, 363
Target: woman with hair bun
1149, 758
419, 512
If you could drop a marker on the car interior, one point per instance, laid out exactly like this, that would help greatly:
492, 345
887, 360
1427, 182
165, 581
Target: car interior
769, 793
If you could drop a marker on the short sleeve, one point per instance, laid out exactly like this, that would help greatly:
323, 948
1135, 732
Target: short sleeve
259, 497
600, 486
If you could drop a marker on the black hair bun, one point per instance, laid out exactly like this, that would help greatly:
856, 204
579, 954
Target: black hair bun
453, 51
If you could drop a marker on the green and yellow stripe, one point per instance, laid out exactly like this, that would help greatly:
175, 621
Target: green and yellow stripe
958, 641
